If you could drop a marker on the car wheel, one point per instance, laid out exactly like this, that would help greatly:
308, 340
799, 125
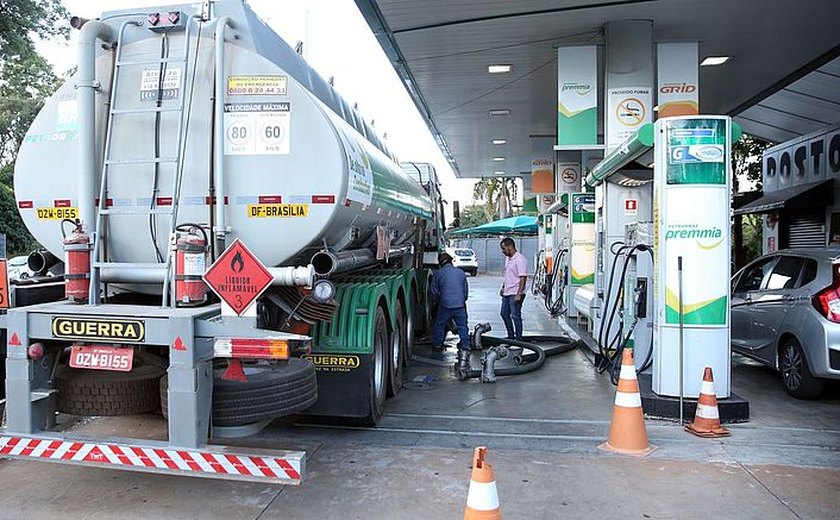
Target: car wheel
796, 377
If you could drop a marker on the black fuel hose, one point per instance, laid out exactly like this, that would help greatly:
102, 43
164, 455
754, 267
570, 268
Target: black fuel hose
538, 354
562, 344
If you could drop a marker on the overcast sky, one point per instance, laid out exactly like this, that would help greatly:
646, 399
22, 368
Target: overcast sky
339, 43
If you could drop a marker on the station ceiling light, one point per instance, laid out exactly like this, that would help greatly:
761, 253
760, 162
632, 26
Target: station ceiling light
499, 111
498, 159
499, 69
711, 61
499, 141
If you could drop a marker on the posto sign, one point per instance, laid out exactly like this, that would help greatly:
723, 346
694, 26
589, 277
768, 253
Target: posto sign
807, 159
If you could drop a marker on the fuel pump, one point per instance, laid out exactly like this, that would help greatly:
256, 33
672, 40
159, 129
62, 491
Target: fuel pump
623, 200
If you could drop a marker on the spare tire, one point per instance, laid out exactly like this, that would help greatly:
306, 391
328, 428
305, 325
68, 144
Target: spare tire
99, 392
271, 391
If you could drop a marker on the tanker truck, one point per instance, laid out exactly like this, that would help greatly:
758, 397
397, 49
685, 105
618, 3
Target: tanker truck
193, 150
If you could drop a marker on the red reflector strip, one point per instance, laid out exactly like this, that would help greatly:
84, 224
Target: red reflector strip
26, 204
206, 463
61, 203
211, 201
270, 199
108, 202
164, 201
323, 199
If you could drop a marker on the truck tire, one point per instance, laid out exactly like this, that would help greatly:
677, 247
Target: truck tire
378, 371
98, 392
270, 392
398, 350
411, 325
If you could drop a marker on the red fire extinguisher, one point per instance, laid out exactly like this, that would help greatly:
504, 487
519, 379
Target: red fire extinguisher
190, 264
77, 263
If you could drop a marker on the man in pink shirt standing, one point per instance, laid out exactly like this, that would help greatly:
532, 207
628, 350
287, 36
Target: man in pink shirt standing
513, 288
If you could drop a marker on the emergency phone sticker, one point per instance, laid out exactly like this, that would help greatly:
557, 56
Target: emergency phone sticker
257, 128
169, 88
256, 85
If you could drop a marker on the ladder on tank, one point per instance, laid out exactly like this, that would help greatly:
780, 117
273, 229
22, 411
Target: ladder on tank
106, 211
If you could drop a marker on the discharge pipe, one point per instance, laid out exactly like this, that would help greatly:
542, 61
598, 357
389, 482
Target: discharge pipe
327, 263
39, 262
86, 88
303, 276
220, 228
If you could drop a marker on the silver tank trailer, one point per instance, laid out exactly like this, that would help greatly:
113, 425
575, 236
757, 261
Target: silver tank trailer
301, 169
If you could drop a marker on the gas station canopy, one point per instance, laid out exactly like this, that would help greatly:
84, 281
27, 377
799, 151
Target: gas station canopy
782, 78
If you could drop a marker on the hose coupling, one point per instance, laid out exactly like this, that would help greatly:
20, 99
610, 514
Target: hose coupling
488, 369
478, 331
462, 367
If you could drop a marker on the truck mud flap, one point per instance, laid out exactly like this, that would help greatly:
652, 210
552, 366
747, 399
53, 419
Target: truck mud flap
210, 461
343, 384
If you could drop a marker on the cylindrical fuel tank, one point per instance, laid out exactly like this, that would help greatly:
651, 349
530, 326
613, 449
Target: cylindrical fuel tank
301, 168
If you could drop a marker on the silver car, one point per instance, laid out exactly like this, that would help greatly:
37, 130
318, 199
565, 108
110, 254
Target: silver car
786, 314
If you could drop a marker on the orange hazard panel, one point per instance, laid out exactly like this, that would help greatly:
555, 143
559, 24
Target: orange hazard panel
4, 285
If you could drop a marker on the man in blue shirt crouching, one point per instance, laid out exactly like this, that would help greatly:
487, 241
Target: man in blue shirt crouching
450, 291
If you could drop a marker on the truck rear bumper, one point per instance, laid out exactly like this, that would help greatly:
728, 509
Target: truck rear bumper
209, 461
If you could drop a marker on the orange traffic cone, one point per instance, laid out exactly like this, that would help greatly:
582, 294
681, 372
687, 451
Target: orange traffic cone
707, 420
482, 499
627, 429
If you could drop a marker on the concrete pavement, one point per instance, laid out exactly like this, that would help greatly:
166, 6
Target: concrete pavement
542, 430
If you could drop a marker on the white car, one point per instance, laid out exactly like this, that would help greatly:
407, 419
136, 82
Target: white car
464, 258
18, 268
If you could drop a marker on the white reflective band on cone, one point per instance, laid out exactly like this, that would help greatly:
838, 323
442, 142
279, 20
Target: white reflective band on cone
707, 388
628, 372
482, 496
707, 412
628, 400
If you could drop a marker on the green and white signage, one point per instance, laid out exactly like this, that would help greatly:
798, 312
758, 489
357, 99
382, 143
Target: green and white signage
691, 218
577, 96
582, 239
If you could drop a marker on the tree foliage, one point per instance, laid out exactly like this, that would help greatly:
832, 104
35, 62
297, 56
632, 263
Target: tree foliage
472, 216
746, 162
498, 194
26, 79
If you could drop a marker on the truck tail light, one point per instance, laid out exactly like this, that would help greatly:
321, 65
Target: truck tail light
827, 301
247, 348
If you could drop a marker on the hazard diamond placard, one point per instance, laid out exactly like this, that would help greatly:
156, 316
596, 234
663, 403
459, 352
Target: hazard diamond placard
238, 277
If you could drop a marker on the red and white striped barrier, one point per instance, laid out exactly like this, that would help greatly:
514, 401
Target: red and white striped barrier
216, 464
